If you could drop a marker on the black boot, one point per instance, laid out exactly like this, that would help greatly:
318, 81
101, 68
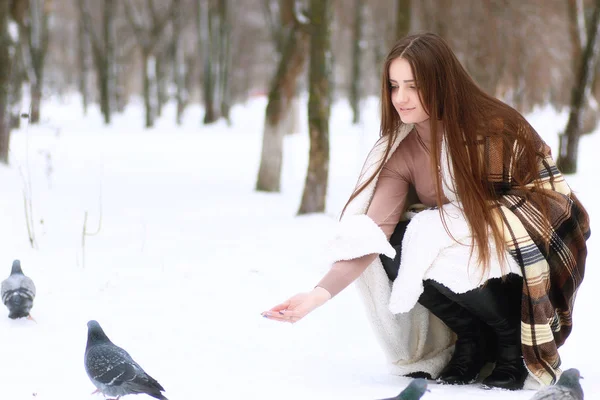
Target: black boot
498, 304
509, 372
468, 357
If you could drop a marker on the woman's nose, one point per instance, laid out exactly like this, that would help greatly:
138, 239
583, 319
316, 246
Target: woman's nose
400, 95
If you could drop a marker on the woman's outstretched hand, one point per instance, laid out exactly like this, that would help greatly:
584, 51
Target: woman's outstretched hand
296, 307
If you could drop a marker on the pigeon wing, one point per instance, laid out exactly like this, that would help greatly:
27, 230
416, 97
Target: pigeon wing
107, 362
113, 366
117, 375
8, 285
28, 285
14, 283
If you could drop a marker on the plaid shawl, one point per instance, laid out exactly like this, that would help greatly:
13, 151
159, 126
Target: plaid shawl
552, 274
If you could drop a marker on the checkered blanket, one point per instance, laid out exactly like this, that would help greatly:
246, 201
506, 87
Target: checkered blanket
552, 273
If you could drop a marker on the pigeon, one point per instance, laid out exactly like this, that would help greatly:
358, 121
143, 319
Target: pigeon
567, 388
17, 292
112, 370
414, 391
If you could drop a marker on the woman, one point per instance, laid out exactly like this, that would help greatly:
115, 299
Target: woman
492, 240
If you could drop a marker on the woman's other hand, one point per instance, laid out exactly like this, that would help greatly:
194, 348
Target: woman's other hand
296, 307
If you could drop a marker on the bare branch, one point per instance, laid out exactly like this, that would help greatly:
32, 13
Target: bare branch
153, 13
84, 14
138, 30
274, 27
148, 38
161, 23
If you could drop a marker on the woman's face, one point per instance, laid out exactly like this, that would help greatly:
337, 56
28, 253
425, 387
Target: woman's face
405, 94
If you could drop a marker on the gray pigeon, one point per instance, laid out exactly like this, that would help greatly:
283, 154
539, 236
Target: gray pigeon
112, 370
567, 388
413, 391
18, 292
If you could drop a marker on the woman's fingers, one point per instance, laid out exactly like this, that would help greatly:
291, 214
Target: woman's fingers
281, 306
283, 315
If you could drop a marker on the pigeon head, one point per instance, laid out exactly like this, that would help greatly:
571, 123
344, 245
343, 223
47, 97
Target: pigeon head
570, 378
16, 268
95, 333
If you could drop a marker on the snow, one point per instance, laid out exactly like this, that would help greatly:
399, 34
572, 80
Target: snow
188, 255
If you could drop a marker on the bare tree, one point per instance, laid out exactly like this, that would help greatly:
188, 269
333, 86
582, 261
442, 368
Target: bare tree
148, 36
402, 18
224, 58
16, 10
576, 13
103, 52
319, 106
5, 71
576, 29
272, 13
383, 30
281, 93
357, 46
34, 36
179, 64
208, 34
83, 64
569, 140
162, 57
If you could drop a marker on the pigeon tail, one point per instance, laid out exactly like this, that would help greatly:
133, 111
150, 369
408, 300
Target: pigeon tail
16, 268
157, 395
18, 305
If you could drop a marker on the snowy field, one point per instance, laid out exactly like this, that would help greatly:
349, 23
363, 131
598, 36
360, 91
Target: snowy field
188, 255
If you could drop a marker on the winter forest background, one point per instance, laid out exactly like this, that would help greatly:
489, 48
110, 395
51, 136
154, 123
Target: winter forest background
220, 53
168, 157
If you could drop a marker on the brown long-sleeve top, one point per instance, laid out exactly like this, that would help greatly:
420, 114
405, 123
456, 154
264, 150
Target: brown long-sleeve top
409, 165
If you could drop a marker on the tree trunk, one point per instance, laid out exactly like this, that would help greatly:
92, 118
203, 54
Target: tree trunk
281, 93
160, 83
119, 78
36, 100
225, 59
179, 64
17, 77
402, 18
102, 51
110, 59
37, 33
292, 117
103, 88
576, 33
576, 12
355, 77
146, 68
569, 141
5, 70
82, 55
208, 37
315, 187
148, 39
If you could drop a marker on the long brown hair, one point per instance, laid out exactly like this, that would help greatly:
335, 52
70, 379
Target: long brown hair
472, 122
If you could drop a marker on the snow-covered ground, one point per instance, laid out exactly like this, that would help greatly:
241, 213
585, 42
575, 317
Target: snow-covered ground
188, 255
